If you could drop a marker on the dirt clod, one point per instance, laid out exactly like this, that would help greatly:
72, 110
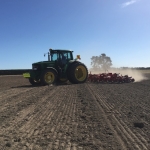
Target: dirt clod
139, 124
8, 144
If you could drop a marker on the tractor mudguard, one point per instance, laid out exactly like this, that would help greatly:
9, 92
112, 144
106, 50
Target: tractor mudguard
53, 69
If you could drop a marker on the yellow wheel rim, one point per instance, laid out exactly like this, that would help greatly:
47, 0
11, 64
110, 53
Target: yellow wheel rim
80, 73
49, 77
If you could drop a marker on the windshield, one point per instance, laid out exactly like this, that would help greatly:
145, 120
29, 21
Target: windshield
59, 56
66, 55
54, 56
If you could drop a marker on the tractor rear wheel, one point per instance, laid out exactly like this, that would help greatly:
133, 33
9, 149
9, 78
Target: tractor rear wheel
49, 76
78, 73
34, 82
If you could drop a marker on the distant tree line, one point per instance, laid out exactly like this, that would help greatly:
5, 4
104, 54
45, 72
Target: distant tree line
14, 71
137, 68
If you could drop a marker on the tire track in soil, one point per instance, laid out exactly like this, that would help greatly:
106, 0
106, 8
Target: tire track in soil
140, 103
138, 90
28, 130
134, 107
42, 120
128, 137
11, 97
11, 92
71, 117
105, 110
58, 123
92, 130
132, 103
63, 132
62, 125
57, 139
28, 112
88, 133
16, 103
30, 102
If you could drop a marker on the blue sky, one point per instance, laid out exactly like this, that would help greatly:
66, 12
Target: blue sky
118, 28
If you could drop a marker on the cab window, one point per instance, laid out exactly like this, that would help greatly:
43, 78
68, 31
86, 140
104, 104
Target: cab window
65, 55
68, 55
54, 56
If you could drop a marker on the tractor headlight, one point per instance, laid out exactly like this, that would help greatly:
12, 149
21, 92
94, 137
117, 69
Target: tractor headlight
35, 68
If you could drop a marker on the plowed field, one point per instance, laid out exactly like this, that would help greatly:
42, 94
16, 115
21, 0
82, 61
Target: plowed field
74, 117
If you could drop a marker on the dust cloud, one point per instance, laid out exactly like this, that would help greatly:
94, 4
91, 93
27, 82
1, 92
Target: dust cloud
138, 75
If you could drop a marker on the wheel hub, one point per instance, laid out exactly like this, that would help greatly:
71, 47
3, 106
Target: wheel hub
80, 73
49, 77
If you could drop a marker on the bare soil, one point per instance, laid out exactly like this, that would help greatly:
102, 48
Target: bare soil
74, 117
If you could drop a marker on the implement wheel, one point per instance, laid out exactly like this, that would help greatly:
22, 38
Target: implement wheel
49, 76
78, 73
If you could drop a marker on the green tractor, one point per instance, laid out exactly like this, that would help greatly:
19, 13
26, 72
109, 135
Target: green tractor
60, 67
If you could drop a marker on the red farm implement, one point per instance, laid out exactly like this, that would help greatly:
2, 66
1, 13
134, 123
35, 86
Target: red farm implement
109, 78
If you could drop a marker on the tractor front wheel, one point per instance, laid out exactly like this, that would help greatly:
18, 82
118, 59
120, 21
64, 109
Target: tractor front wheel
49, 76
34, 82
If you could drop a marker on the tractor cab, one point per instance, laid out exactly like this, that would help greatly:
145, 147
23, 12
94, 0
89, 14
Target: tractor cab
61, 54
61, 57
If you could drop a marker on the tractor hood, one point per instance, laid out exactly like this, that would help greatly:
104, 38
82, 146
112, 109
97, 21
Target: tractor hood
45, 62
42, 64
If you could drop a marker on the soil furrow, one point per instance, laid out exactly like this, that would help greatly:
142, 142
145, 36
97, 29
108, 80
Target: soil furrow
117, 135
18, 103
74, 117
123, 128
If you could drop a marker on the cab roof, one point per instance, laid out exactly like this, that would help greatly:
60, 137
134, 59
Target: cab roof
60, 50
